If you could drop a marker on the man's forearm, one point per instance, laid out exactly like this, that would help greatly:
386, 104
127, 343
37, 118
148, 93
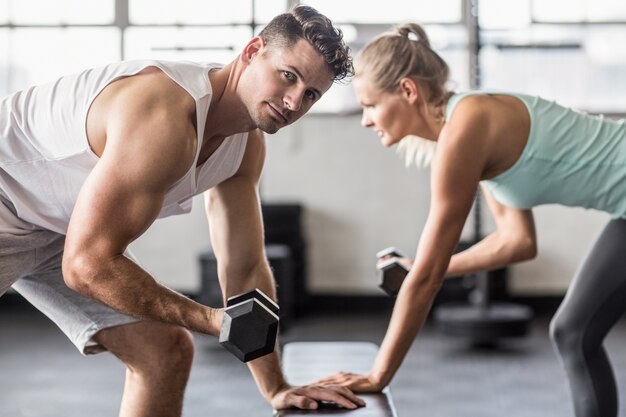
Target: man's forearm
268, 374
267, 370
122, 285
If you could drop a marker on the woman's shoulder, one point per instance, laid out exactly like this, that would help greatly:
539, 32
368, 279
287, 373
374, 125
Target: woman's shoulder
481, 106
484, 118
469, 107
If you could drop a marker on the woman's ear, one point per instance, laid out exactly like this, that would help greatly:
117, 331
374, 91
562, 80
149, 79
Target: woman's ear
251, 49
410, 90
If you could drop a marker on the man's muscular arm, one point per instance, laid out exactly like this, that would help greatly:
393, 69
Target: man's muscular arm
233, 210
234, 215
150, 144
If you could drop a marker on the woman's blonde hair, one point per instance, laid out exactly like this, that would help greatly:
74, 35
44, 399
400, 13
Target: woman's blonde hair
405, 52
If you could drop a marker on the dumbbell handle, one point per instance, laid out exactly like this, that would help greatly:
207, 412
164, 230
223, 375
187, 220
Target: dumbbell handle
383, 265
390, 251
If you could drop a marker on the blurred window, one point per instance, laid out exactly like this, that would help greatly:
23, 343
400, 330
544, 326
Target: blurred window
566, 50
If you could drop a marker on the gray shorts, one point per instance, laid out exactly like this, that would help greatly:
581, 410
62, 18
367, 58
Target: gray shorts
31, 264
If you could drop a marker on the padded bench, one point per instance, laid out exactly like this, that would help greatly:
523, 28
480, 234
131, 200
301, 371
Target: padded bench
305, 362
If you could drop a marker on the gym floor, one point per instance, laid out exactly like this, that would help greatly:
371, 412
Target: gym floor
42, 375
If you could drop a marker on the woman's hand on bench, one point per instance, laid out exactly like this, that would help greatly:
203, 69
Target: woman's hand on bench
356, 382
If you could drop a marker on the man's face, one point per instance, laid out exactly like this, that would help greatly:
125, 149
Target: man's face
280, 85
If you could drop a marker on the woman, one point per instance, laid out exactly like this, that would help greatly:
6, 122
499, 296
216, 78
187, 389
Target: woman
524, 151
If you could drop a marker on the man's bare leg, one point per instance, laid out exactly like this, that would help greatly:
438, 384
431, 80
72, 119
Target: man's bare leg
158, 360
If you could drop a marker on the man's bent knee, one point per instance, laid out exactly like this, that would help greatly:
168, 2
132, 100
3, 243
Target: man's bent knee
145, 345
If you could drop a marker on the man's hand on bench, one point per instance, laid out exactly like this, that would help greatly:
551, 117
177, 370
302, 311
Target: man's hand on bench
356, 382
310, 397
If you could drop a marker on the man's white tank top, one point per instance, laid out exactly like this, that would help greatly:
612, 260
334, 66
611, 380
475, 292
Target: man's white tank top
45, 156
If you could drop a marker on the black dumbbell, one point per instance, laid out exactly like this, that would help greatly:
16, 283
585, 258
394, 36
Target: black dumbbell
250, 325
391, 272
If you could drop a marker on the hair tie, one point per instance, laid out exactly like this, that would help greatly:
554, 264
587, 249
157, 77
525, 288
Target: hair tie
412, 36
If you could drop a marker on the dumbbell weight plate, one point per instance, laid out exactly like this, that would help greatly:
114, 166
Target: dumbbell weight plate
391, 275
250, 326
256, 294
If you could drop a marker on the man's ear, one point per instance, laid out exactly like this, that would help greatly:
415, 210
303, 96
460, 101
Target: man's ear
252, 48
410, 90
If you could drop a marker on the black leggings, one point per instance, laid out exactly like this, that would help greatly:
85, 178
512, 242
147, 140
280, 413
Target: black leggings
594, 302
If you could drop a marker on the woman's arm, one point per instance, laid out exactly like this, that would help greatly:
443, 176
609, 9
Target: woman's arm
513, 241
457, 169
459, 163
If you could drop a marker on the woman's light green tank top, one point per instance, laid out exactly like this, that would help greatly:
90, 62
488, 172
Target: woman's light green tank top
571, 158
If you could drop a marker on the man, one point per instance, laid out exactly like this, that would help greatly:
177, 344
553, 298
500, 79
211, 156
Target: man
90, 161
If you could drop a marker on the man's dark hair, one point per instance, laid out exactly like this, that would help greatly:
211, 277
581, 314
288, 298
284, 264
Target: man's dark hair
304, 22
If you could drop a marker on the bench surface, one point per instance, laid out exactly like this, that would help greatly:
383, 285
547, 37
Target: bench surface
305, 362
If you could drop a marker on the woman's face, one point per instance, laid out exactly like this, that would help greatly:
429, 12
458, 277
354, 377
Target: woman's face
390, 115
